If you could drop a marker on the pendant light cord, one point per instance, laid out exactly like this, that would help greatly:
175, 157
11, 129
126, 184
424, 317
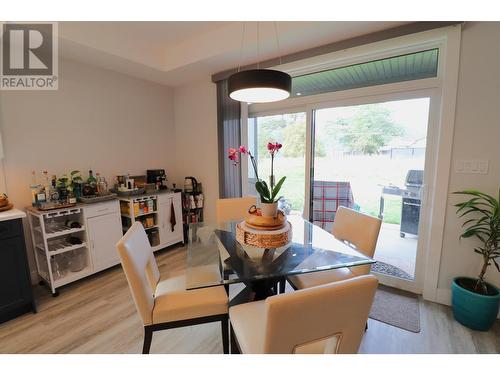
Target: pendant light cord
277, 39
241, 47
258, 50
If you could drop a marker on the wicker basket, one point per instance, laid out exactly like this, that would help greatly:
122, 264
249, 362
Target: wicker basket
266, 239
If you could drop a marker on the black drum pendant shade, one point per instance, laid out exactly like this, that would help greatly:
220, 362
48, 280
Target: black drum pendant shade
259, 86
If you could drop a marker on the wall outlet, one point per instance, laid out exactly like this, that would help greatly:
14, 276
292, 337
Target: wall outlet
472, 166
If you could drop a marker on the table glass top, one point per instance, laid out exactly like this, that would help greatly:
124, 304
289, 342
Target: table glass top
216, 258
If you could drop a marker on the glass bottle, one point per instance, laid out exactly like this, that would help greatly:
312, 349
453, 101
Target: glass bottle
33, 188
54, 194
98, 184
102, 186
46, 186
39, 191
71, 197
92, 181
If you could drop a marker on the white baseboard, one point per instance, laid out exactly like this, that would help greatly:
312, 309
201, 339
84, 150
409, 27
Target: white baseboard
443, 296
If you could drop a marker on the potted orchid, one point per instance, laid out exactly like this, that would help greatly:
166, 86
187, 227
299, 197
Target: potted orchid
268, 193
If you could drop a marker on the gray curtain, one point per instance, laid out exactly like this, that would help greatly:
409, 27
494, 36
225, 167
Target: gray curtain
229, 135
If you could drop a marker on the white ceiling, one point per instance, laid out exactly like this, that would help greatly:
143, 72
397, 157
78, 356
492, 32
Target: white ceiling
177, 53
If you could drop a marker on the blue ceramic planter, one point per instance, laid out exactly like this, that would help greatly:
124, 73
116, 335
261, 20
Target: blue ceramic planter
474, 310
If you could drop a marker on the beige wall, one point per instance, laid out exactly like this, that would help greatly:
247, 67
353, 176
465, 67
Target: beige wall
477, 136
97, 119
195, 108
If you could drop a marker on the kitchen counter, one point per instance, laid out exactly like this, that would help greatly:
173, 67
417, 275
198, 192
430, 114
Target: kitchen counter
146, 194
81, 204
12, 214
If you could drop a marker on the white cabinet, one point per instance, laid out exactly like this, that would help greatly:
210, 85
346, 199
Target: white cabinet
61, 261
104, 230
168, 205
154, 212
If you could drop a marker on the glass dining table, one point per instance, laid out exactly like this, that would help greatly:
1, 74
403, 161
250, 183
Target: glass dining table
215, 257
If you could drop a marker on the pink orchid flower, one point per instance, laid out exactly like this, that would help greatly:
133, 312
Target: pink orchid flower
243, 150
233, 155
273, 147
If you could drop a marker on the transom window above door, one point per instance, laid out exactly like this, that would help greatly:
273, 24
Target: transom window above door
408, 67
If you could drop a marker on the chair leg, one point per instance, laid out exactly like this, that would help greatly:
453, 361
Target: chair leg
234, 344
225, 335
366, 326
226, 286
282, 286
148, 336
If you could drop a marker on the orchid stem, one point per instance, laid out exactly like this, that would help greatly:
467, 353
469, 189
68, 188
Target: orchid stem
272, 172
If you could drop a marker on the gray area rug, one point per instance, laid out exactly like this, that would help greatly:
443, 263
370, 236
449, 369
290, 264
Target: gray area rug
388, 269
397, 308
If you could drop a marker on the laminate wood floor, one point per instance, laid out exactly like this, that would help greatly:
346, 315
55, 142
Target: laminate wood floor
97, 315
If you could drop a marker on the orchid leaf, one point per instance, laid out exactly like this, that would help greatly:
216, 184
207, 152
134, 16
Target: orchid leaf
277, 188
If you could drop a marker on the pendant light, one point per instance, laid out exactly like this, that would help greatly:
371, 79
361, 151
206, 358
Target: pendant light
259, 85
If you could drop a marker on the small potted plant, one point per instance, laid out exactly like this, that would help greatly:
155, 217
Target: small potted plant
268, 193
474, 301
76, 183
63, 186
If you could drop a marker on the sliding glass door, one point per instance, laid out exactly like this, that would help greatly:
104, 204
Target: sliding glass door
371, 158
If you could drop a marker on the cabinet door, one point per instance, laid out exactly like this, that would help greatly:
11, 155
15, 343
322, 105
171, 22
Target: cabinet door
15, 288
104, 232
167, 235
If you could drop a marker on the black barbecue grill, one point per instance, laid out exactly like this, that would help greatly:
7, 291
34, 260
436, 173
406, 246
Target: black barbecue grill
411, 196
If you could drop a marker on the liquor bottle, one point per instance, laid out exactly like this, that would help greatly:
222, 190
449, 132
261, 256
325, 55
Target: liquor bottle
46, 186
92, 181
102, 186
37, 191
54, 194
71, 197
33, 188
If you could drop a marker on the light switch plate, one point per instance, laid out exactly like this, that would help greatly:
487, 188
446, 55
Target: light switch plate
472, 166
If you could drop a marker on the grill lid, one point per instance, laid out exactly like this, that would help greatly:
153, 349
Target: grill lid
414, 178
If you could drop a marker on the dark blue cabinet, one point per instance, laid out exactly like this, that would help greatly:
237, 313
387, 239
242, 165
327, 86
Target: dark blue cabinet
16, 294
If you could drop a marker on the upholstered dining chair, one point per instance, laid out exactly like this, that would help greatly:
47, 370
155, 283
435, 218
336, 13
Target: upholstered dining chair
326, 319
164, 303
230, 209
358, 230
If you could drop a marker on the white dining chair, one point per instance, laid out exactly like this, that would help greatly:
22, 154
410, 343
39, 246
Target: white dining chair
326, 319
356, 229
164, 302
231, 209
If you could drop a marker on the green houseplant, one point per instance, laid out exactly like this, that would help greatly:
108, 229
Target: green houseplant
475, 302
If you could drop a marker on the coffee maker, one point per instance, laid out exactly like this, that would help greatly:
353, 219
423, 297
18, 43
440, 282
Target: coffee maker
157, 177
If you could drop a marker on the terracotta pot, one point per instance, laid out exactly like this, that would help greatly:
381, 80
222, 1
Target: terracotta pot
269, 209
